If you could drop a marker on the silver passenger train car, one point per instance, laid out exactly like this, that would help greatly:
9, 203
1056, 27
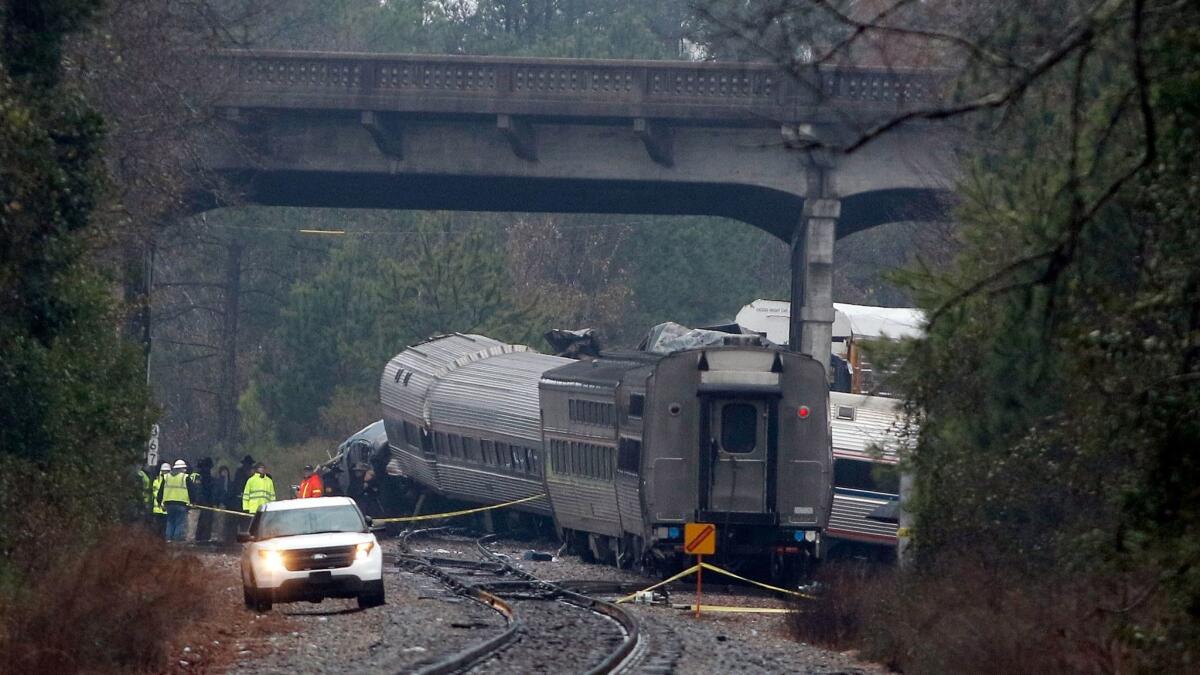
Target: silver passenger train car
867, 438
627, 447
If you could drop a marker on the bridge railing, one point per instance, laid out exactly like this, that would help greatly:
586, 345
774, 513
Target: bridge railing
570, 87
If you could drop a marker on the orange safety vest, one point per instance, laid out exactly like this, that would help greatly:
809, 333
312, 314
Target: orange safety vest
311, 486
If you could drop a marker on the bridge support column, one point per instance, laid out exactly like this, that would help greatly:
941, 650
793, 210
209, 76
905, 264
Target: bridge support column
811, 325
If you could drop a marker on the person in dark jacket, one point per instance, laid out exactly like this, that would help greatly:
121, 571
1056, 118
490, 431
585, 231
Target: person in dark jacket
233, 499
221, 486
203, 496
333, 481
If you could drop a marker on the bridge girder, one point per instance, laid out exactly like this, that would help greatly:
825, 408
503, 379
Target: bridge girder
742, 141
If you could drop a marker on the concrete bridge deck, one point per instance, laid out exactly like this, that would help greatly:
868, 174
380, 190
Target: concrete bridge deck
744, 141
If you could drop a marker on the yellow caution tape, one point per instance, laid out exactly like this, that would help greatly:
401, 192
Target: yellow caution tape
718, 570
682, 574
737, 610
760, 584
213, 508
452, 514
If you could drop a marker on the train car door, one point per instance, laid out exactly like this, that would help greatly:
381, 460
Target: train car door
738, 454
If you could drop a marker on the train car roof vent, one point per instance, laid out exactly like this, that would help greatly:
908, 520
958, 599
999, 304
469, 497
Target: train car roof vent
703, 364
845, 412
777, 365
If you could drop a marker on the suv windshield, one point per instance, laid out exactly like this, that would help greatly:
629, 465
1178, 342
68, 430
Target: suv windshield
343, 518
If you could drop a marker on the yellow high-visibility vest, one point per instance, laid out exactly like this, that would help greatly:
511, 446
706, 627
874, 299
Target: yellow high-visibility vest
158, 507
175, 488
260, 489
147, 495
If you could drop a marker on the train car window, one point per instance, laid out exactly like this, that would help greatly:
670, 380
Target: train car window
572, 414
629, 455
739, 427
485, 452
439, 443
637, 405
535, 462
870, 476
470, 449
454, 445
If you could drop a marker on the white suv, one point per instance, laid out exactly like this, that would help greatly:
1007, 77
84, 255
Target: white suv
310, 549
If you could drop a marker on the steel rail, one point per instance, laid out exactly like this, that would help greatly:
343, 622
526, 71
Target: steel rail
616, 659
476, 653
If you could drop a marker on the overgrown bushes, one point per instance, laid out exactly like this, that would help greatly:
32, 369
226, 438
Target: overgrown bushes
112, 606
972, 616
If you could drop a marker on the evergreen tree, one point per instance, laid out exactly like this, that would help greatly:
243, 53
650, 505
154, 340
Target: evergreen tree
73, 403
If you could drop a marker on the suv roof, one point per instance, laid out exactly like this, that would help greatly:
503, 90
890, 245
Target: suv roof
310, 503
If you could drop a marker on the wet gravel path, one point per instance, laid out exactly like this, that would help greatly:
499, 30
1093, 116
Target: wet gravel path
553, 636
715, 643
423, 622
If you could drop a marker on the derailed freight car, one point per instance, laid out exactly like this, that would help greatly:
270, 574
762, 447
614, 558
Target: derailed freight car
628, 447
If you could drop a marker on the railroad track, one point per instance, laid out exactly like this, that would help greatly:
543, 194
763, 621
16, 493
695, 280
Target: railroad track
550, 628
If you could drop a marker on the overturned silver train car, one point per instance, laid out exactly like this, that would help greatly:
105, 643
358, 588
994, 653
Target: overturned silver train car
627, 447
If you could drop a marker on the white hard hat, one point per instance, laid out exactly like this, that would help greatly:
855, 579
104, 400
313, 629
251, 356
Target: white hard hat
180, 464
164, 467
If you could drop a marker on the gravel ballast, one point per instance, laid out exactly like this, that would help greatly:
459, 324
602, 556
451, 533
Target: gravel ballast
423, 622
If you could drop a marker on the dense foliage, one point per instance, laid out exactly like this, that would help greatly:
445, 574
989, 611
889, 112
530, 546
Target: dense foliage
73, 400
1058, 386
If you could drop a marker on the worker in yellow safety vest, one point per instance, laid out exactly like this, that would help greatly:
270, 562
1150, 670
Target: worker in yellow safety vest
160, 514
260, 489
175, 497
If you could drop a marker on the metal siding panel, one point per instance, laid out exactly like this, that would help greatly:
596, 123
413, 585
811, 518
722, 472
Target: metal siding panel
877, 424
850, 516
629, 503
583, 505
498, 395
473, 484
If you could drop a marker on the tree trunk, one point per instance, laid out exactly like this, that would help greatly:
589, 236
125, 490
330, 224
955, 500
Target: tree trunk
139, 266
229, 346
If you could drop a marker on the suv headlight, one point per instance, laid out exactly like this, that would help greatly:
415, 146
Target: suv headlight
272, 560
363, 550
